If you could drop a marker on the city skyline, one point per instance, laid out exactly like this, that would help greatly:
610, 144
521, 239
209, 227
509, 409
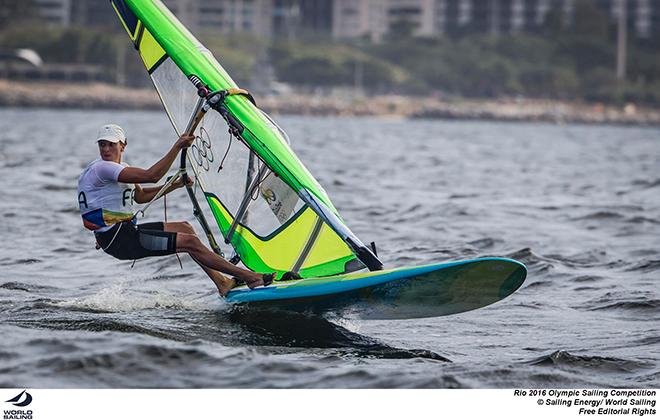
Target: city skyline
369, 19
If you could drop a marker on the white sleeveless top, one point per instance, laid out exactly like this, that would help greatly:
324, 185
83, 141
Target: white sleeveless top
103, 200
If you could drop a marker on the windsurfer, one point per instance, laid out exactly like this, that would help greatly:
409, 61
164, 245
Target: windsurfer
107, 189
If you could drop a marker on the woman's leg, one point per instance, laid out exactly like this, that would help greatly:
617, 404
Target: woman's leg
223, 283
210, 262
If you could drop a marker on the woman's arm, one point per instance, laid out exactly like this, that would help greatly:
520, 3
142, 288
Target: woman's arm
146, 194
152, 175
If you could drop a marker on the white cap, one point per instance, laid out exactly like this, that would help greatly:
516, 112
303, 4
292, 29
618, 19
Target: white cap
112, 133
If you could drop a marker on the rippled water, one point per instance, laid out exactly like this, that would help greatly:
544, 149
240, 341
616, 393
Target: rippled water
580, 206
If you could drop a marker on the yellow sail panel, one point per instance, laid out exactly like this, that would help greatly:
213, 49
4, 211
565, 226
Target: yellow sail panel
150, 51
281, 252
326, 245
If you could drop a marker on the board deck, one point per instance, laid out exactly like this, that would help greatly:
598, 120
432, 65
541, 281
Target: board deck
399, 293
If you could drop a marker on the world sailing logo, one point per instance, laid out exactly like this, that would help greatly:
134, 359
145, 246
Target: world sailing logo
19, 414
24, 403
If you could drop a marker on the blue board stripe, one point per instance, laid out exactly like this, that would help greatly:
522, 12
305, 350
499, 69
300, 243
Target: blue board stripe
281, 292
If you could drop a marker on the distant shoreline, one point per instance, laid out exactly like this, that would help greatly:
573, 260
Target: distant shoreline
105, 96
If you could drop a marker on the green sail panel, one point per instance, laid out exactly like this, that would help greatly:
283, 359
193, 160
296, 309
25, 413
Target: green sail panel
277, 230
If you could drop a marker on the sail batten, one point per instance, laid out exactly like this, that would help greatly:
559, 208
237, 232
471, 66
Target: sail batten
281, 221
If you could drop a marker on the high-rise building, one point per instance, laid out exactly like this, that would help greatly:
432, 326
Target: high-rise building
501, 16
358, 18
316, 15
56, 12
533, 13
505, 16
419, 14
638, 13
294, 16
253, 16
655, 22
643, 18
373, 19
227, 16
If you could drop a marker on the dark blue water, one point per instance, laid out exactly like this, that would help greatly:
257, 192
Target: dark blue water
580, 206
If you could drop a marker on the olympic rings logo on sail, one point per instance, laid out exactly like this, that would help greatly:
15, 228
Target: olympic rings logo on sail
201, 150
269, 196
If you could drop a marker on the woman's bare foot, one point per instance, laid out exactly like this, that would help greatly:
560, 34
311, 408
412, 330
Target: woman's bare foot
224, 284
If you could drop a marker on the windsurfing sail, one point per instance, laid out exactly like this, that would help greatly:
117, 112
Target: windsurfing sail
264, 201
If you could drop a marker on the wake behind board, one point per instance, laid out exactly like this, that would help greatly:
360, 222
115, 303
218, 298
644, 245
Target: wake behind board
400, 293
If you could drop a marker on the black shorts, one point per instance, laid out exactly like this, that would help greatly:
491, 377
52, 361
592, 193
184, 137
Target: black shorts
132, 242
